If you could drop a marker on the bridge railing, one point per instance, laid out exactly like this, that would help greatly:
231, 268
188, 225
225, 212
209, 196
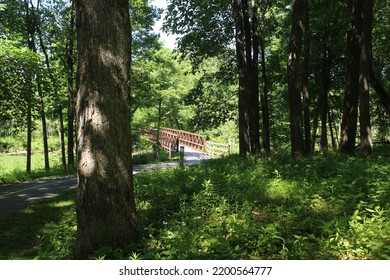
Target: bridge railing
174, 137
218, 149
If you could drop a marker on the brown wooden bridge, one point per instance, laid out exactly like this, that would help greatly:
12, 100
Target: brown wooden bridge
172, 139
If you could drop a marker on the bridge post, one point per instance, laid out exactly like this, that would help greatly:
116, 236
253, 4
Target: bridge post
181, 155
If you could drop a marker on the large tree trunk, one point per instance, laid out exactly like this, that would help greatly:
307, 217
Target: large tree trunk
350, 112
366, 8
106, 213
294, 86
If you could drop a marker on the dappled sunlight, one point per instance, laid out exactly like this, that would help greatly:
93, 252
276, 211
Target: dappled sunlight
87, 163
328, 207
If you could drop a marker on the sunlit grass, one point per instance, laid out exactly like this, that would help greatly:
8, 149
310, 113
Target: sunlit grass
13, 167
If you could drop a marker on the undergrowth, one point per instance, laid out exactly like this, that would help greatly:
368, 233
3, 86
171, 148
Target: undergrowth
320, 207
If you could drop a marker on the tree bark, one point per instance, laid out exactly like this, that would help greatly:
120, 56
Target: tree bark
44, 125
305, 81
56, 96
366, 15
252, 54
350, 111
29, 82
32, 25
243, 118
264, 94
294, 86
70, 81
106, 213
324, 103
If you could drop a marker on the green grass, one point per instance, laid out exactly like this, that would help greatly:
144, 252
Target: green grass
13, 167
321, 207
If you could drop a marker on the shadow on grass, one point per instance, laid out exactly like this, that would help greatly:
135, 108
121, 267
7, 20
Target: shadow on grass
45, 230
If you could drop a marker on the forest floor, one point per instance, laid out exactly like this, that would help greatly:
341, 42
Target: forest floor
319, 207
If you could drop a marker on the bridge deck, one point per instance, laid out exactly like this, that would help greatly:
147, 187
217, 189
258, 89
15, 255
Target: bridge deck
191, 157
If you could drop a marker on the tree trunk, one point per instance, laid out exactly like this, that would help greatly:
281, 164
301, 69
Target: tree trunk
44, 126
159, 120
29, 125
252, 55
324, 103
366, 13
29, 81
315, 127
32, 26
305, 80
350, 112
294, 87
106, 212
56, 96
383, 95
331, 125
70, 79
243, 122
264, 95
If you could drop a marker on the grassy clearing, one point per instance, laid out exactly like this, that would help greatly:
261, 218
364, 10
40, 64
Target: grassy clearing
13, 167
322, 207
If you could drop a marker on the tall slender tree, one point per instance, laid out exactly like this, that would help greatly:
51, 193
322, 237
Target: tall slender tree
106, 214
305, 79
350, 111
294, 85
69, 65
264, 77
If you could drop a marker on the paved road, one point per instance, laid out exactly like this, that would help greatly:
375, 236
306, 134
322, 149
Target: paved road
15, 197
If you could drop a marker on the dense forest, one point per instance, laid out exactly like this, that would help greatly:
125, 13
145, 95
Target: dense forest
303, 78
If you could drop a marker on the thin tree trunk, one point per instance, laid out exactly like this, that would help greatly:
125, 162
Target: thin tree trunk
243, 126
159, 119
44, 125
294, 86
106, 212
383, 95
264, 95
29, 125
30, 43
252, 60
332, 136
305, 80
70, 81
56, 96
31, 29
324, 102
315, 127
